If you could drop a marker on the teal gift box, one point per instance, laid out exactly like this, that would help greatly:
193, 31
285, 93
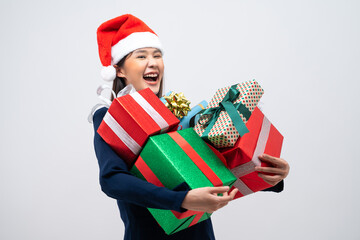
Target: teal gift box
192, 116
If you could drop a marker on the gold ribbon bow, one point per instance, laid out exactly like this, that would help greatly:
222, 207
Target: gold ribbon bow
177, 104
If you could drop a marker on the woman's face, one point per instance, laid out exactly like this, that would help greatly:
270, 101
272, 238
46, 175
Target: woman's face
143, 68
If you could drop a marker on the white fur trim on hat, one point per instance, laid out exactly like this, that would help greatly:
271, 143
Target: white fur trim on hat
132, 42
108, 73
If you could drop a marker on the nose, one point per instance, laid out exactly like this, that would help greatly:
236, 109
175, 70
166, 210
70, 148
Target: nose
152, 62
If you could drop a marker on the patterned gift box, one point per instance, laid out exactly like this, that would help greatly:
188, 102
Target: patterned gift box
241, 159
131, 119
174, 158
224, 133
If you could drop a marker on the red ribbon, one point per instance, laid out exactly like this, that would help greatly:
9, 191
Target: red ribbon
152, 178
195, 157
218, 154
147, 172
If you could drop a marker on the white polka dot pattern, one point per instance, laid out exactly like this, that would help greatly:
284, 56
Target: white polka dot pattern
224, 134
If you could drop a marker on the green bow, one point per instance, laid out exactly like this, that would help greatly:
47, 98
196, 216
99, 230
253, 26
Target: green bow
232, 109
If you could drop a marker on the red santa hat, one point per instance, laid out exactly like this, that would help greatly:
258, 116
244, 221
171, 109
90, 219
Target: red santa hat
119, 37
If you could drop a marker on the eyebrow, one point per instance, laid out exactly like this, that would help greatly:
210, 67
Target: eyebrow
145, 51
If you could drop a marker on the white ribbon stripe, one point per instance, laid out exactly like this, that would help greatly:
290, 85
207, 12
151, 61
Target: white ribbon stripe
243, 169
243, 189
262, 140
122, 134
151, 111
248, 167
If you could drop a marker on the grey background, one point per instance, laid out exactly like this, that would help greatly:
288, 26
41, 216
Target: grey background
305, 54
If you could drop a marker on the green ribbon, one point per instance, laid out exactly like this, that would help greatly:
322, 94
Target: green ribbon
232, 109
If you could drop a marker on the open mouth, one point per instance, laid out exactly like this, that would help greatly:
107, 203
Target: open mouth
151, 77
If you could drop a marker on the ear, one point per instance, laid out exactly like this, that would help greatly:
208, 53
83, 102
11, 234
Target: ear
119, 71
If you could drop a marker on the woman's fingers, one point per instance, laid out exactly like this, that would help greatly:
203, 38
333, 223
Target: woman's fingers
276, 162
226, 198
279, 169
269, 170
269, 159
233, 193
207, 200
279, 165
272, 180
217, 190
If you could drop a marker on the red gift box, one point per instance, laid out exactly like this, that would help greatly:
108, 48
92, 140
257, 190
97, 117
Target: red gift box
241, 159
131, 119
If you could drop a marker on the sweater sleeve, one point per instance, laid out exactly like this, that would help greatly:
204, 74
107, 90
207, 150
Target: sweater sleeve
277, 188
117, 182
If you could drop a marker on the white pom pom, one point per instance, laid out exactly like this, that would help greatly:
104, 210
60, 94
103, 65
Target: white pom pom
108, 73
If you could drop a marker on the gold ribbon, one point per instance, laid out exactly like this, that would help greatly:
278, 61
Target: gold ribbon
177, 104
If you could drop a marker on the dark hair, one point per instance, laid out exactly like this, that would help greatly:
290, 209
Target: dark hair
119, 82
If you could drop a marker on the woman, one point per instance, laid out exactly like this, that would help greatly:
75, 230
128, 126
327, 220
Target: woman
131, 53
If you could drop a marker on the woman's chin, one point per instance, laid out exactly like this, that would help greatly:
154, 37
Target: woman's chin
154, 89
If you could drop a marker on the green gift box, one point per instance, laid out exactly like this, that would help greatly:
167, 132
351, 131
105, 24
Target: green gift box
223, 120
174, 158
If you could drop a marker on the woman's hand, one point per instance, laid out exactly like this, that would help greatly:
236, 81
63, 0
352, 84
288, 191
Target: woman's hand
279, 169
206, 199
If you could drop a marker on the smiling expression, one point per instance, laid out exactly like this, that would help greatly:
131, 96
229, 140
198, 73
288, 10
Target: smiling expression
143, 68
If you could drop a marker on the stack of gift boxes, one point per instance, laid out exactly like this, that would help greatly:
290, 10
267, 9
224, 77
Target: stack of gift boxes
155, 139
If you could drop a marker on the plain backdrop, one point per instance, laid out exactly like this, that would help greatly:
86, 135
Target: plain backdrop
305, 54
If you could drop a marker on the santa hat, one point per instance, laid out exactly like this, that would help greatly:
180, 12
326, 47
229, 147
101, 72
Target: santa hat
119, 37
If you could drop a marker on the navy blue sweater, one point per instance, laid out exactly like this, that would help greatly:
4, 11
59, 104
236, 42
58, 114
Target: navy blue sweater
134, 195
